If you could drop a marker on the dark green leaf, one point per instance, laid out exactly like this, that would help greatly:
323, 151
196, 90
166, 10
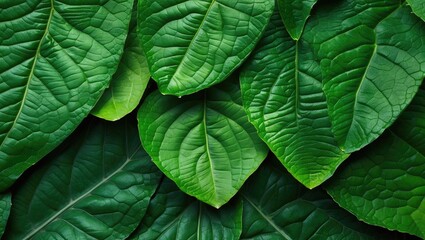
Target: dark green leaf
384, 184
294, 14
203, 142
95, 186
193, 44
282, 94
373, 61
174, 215
57, 58
418, 7
277, 207
4, 211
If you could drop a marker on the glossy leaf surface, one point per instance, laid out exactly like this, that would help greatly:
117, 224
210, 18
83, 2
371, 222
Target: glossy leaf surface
97, 185
418, 7
384, 184
278, 207
5, 204
294, 14
129, 82
203, 142
174, 215
193, 44
373, 61
282, 94
57, 57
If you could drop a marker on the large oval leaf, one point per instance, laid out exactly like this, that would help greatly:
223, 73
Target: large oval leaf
294, 14
129, 82
174, 215
193, 44
203, 142
277, 207
282, 94
57, 58
373, 61
97, 185
5, 204
418, 7
384, 184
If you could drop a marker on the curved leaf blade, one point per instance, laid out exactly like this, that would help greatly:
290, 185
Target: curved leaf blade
294, 14
5, 204
418, 7
57, 58
384, 183
202, 142
191, 45
278, 207
372, 63
174, 215
97, 185
283, 97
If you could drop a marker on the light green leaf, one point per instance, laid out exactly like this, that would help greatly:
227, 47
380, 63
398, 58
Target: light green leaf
294, 14
5, 203
97, 185
373, 61
282, 94
129, 82
384, 184
193, 44
418, 7
57, 58
174, 215
276, 207
203, 142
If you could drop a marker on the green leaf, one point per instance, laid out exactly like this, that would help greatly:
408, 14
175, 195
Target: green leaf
203, 142
373, 61
129, 82
97, 185
275, 206
174, 215
282, 94
384, 184
294, 14
193, 44
5, 204
418, 7
57, 58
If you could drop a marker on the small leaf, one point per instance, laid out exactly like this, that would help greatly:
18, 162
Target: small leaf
373, 61
203, 142
276, 207
418, 7
97, 185
174, 215
294, 14
282, 94
384, 184
5, 205
193, 44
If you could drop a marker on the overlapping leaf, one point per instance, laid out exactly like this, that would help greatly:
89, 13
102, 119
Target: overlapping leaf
373, 61
192, 44
203, 142
57, 58
5, 203
418, 7
384, 184
294, 14
277, 207
283, 96
174, 215
95, 186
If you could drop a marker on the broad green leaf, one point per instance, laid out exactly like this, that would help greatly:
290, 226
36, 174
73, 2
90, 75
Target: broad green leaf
373, 61
174, 215
193, 44
418, 7
203, 142
294, 14
129, 82
5, 203
384, 184
282, 94
57, 58
97, 185
275, 207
